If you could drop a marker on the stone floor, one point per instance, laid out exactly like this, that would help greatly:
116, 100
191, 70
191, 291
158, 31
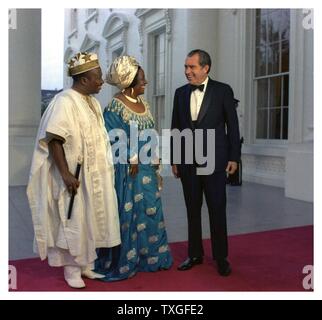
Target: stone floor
251, 207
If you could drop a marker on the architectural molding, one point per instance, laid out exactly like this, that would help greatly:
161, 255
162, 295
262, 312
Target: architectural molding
115, 32
265, 150
89, 43
91, 17
143, 12
116, 23
264, 169
140, 29
151, 19
72, 34
168, 23
274, 165
69, 52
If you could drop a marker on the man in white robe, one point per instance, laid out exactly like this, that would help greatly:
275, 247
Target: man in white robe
72, 131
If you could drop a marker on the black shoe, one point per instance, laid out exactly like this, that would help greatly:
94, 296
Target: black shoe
189, 263
224, 268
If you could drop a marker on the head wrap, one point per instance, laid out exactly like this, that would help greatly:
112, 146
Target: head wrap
82, 62
122, 71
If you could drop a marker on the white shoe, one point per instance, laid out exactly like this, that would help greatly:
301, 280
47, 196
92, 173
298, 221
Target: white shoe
73, 277
88, 273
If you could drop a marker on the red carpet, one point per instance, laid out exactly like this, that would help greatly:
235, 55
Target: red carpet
262, 261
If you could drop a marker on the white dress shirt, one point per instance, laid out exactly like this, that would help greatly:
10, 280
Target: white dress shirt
196, 100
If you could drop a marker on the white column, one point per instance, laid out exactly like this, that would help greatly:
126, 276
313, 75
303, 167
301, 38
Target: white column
24, 92
299, 157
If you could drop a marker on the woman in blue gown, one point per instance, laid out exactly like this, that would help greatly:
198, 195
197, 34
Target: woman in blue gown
144, 245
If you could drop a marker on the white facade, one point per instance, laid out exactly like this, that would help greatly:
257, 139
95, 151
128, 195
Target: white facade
160, 40
229, 36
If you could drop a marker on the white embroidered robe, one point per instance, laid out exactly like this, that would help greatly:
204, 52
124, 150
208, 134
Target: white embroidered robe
94, 222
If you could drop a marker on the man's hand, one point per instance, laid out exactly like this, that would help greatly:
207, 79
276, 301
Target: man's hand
231, 167
175, 171
134, 169
71, 182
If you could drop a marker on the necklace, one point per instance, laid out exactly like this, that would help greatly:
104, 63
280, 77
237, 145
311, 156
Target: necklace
130, 98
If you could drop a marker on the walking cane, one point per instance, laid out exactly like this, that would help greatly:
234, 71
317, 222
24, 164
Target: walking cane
71, 203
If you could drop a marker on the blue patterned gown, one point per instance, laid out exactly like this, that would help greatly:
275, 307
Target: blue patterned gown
144, 245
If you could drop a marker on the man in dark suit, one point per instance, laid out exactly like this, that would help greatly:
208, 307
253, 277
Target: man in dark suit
206, 104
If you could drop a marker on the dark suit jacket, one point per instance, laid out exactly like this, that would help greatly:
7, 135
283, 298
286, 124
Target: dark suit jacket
217, 112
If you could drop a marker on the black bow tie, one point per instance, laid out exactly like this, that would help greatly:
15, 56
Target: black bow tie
195, 87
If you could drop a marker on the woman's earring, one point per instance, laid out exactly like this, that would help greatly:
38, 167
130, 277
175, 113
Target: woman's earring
132, 91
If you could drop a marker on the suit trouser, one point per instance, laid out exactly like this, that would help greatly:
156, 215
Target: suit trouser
214, 188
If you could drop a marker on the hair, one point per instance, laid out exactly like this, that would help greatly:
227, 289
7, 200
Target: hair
135, 80
77, 77
204, 57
